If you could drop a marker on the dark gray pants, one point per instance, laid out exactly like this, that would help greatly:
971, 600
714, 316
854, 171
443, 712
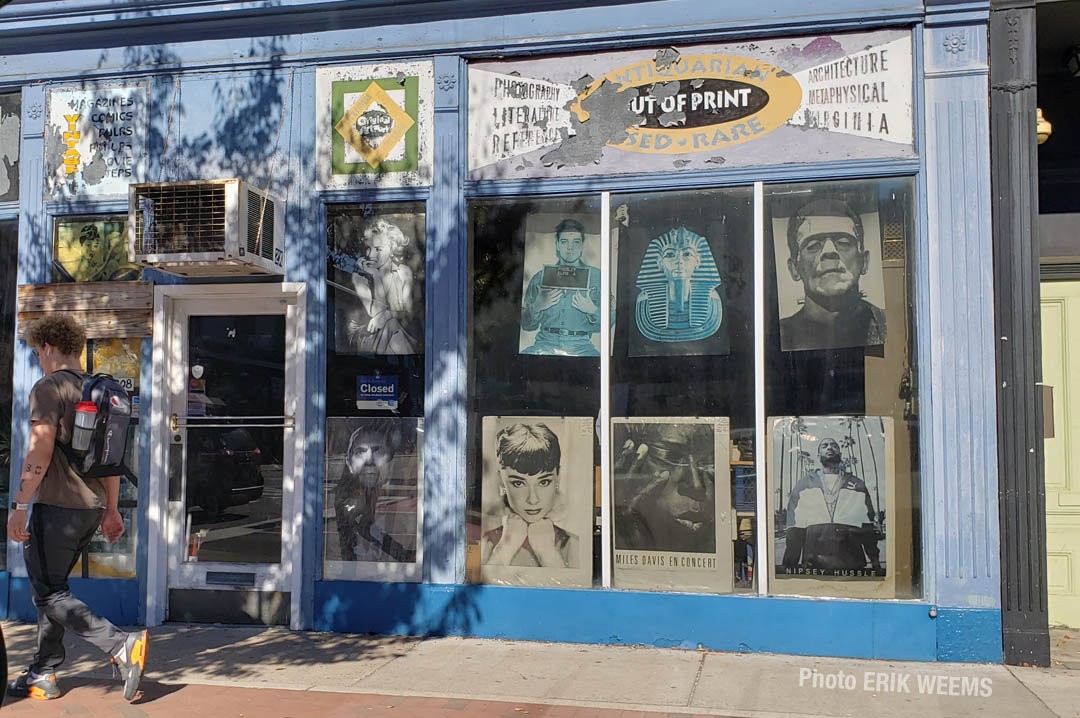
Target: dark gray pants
57, 538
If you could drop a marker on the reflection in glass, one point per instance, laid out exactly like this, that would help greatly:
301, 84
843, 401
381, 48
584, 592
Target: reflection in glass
534, 361
843, 472
9, 248
683, 352
373, 491
233, 490
92, 249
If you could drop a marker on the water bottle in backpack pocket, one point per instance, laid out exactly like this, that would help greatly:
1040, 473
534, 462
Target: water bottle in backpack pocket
99, 436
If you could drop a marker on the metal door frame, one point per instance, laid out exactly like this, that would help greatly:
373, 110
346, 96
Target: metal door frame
168, 300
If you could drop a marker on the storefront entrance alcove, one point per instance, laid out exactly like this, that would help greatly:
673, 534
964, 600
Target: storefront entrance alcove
227, 454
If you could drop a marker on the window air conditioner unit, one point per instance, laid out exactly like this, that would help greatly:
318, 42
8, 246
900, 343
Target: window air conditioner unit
206, 228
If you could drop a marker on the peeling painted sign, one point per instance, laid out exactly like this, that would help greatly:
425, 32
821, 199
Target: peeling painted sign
10, 136
95, 140
700, 102
845, 96
375, 125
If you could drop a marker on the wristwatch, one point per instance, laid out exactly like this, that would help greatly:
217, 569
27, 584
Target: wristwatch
16, 506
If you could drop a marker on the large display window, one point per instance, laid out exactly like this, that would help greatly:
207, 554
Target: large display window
9, 252
375, 326
754, 393
93, 248
534, 378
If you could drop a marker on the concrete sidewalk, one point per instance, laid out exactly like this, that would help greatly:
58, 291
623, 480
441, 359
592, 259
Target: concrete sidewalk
516, 673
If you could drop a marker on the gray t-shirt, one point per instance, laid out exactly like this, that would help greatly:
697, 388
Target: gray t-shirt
52, 401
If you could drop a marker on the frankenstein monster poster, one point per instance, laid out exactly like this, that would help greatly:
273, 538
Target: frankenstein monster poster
672, 519
537, 501
829, 281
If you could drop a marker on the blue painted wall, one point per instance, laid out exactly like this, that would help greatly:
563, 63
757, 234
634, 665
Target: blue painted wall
117, 599
867, 629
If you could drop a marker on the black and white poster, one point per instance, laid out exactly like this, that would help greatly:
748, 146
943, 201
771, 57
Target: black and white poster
537, 496
375, 269
672, 521
374, 498
829, 282
830, 490
560, 298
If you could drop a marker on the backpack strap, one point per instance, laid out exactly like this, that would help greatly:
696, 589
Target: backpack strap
82, 377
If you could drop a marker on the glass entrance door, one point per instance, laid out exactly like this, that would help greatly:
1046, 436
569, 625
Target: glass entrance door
230, 456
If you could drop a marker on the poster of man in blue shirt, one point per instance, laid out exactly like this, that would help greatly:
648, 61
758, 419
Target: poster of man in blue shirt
560, 308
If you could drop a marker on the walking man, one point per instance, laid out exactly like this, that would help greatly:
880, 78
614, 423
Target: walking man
67, 511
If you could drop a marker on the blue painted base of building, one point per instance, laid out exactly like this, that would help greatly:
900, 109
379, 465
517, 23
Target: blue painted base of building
117, 599
890, 630
859, 629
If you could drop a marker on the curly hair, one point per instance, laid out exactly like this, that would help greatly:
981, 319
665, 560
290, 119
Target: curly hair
58, 330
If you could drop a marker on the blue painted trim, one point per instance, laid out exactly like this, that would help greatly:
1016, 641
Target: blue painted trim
555, 186
923, 328
5, 585
374, 194
33, 265
308, 264
72, 207
460, 28
146, 399
859, 629
445, 359
116, 599
969, 634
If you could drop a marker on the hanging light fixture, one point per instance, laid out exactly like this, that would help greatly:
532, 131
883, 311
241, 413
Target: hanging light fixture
1042, 127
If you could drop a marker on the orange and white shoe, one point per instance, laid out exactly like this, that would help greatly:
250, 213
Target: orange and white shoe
42, 687
132, 661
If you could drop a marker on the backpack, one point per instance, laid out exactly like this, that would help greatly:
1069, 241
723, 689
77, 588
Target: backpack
108, 442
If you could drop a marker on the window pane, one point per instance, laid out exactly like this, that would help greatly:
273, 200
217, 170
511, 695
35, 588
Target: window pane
843, 459
375, 391
533, 484
9, 251
92, 249
682, 394
10, 137
122, 359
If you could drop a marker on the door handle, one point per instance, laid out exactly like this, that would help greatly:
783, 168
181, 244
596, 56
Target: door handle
288, 421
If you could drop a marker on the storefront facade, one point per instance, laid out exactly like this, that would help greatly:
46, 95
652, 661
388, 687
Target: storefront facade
374, 389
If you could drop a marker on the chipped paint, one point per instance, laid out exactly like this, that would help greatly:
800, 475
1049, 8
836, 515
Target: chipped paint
707, 105
666, 57
10, 136
95, 140
612, 118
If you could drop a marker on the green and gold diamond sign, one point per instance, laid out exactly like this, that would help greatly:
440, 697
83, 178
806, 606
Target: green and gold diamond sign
375, 124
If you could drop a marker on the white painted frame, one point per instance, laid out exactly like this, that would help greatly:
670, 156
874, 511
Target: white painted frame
169, 303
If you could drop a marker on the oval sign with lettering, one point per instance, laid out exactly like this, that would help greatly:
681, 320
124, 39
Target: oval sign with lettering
697, 103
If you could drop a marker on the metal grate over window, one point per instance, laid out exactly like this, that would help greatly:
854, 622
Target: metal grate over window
260, 241
176, 219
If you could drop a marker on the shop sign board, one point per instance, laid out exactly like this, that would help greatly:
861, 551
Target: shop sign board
844, 96
377, 392
95, 140
375, 125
